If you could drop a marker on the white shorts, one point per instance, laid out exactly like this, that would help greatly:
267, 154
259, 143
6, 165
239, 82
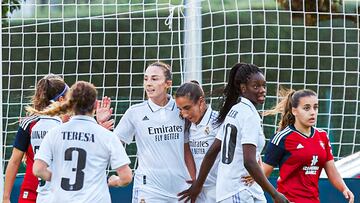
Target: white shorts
243, 196
141, 195
207, 195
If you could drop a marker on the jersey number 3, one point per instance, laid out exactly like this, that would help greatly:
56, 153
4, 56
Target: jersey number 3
229, 144
79, 179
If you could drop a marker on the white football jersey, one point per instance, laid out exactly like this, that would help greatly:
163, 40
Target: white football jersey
201, 137
38, 133
159, 135
242, 125
79, 152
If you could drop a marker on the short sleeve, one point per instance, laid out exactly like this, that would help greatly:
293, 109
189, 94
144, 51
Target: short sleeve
45, 153
273, 154
118, 156
125, 130
328, 149
251, 130
22, 140
220, 132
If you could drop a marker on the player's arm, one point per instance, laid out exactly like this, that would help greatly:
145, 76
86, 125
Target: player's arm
337, 181
123, 177
40, 170
11, 171
252, 166
207, 163
189, 161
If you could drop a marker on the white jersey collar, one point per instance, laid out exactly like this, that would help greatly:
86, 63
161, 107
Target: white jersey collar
205, 119
248, 103
57, 118
83, 117
169, 106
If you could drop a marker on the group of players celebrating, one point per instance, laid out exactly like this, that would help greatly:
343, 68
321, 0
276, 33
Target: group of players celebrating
186, 151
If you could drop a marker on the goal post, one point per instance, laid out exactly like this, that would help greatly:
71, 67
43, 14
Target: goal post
111, 42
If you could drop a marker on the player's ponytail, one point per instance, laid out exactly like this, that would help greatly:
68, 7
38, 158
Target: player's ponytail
239, 74
48, 89
289, 99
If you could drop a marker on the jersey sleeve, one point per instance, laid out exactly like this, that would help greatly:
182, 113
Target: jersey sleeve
22, 140
125, 130
250, 130
45, 153
220, 132
328, 148
273, 153
118, 156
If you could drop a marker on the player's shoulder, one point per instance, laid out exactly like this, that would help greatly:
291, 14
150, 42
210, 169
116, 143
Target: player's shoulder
321, 132
138, 106
26, 122
281, 135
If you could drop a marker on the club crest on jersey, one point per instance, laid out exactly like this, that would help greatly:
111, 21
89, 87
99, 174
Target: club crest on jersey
145, 118
322, 144
207, 130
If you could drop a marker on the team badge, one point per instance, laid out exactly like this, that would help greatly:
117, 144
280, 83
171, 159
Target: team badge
322, 144
207, 130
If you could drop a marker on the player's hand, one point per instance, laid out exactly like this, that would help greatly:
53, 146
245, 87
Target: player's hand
190, 194
103, 110
113, 181
280, 198
348, 195
108, 124
247, 180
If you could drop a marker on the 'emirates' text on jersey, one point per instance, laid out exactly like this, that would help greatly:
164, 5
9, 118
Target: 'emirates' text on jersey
201, 137
79, 152
242, 125
300, 159
159, 135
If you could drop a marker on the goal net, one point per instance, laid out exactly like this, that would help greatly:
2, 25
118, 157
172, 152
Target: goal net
313, 45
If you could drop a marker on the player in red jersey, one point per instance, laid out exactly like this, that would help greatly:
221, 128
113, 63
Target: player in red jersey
300, 150
48, 89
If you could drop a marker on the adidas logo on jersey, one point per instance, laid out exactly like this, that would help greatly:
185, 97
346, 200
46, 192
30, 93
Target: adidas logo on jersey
145, 118
300, 146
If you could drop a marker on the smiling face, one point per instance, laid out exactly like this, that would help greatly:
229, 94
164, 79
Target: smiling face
306, 112
193, 111
155, 83
255, 88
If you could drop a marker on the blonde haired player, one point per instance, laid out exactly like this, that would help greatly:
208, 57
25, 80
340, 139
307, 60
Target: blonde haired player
159, 136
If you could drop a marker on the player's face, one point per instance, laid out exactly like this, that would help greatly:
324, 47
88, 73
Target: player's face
255, 88
306, 112
155, 83
191, 110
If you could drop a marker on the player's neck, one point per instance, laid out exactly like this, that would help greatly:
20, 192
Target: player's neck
161, 100
305, 130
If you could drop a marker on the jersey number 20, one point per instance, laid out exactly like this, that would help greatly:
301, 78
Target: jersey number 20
229, 143
79, 179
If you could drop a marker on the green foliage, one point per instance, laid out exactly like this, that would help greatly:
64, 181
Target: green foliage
7, 7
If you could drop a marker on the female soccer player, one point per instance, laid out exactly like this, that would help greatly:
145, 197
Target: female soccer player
300, 150
240, 140
49, 89
201, 130
159, 136
79, 152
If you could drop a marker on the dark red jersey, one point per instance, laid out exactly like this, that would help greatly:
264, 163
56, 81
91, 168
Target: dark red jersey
22, 143
300, 159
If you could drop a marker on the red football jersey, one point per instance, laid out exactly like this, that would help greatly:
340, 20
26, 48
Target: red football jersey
22, 142
300, 159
